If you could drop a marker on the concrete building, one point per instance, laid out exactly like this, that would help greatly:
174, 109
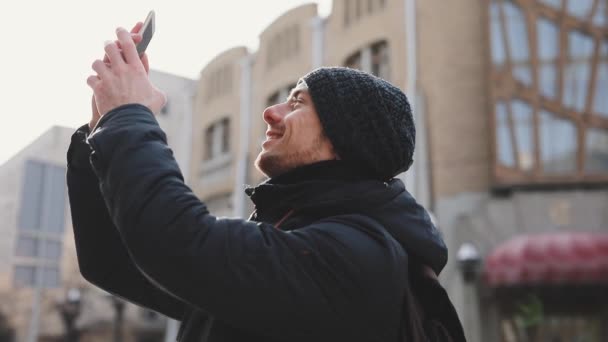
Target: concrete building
510, 107
38, 266
215, 139
175, 117
35, 237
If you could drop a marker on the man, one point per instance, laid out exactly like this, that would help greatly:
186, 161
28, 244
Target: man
336, 250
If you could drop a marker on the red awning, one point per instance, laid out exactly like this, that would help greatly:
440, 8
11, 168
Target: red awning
550, 258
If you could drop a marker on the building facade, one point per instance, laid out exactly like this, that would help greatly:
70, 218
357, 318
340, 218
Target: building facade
40, 283
512, 145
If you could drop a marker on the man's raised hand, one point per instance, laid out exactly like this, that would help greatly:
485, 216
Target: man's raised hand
144, 59
123, 78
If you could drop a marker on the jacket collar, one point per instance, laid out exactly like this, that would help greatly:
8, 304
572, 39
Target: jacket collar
326, 185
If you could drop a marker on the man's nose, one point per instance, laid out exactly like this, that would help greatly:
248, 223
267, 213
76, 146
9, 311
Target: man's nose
274, 114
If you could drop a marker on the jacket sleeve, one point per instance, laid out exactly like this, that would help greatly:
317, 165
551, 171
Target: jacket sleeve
277, 283
102, 257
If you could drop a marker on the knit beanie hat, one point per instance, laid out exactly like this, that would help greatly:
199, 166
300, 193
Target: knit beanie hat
368, 120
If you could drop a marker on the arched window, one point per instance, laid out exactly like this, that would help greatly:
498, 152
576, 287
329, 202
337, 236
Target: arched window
373, 58
217, 139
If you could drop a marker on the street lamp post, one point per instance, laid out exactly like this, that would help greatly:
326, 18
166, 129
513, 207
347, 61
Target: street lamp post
469, 263
69, 308
119, 308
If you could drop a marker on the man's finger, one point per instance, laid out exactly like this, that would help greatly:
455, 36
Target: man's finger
137, 37
127, 45
101, 68
145, 62
93, 81
137, 27
113, 53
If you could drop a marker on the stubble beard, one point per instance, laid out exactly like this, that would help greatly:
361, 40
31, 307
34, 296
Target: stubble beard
273, 164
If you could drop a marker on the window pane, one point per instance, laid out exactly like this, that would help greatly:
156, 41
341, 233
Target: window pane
354, 61
27, 247
357, 9
504, 148
596, 151
498, 48
346, 12
558, 138
576, 76
52, 250
380, 60
209, 143
600, 102
601, 14
522, 117
580, 8
31, 196
518, 42
50, 277
552, 3
24, 276
523, 73
548, 51
225, 135
54, 206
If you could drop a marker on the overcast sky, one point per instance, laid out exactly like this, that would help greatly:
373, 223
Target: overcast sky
48, 48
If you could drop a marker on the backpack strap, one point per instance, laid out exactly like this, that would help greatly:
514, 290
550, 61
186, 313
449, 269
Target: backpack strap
439, 317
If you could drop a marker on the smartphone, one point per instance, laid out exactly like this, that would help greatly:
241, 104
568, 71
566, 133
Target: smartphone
147, 32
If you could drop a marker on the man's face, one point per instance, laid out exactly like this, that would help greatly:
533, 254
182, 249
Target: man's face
294, 136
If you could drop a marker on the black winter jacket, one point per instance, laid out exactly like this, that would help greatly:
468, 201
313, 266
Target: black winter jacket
335, 268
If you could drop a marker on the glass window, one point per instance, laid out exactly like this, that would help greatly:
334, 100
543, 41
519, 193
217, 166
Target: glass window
31, 196
358, 9
503, 136
596, 160
498, 48
524, 128
52, 250
580, 8
600, 102
43, 197
209, 143
552, 3
225, 135
380, 60
51, 277
518, 42
601, 14
347, 6
558, 139
548, 53
24, 276
54, 200
27, 247
354, 61
576, 75
563, 85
